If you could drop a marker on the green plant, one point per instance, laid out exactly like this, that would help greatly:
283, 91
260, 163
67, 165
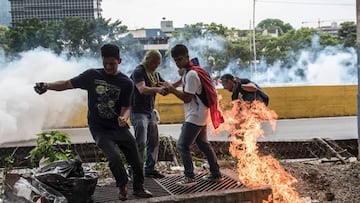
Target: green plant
51, 146
10, 160
102, 168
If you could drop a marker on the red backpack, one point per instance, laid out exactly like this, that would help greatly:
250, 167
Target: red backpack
208, 94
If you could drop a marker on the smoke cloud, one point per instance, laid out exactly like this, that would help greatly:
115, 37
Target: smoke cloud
23, 113
332, 65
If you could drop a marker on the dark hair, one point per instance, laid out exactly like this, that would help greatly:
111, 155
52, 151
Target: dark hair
179, 50
110, 50
227, 77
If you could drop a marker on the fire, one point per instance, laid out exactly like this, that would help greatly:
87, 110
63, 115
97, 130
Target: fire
244, 121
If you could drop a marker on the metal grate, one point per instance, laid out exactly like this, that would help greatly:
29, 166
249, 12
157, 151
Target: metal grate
168, 183
166, 187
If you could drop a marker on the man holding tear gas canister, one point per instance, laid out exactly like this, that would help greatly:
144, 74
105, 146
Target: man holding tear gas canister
109, 93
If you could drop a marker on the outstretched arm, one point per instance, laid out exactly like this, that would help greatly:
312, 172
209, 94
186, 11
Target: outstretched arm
60, 85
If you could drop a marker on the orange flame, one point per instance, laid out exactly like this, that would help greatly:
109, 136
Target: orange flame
245, 122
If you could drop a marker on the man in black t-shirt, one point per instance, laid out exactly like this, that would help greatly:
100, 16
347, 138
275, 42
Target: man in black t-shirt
109, 93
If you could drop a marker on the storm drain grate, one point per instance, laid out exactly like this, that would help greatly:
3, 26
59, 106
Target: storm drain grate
169, 184
167, 187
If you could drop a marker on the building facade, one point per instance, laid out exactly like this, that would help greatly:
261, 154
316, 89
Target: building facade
5, 18
155, 38
54, 10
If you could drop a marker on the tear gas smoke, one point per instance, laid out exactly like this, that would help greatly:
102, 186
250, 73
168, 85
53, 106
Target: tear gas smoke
23, 113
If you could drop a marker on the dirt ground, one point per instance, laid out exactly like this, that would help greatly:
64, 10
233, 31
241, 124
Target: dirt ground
318, 180
326, 181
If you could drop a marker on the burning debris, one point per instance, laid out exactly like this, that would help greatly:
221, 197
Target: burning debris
245, 122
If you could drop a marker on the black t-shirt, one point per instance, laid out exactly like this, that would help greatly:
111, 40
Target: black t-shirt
141, 103
249, 96
106, 95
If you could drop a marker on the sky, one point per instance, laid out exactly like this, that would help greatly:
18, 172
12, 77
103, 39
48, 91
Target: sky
232, 13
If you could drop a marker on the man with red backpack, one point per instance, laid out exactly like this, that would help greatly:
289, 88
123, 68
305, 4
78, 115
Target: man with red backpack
200, 102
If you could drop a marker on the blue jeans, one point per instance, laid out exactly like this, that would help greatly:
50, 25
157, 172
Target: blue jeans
110, 142
191, 133
147, 135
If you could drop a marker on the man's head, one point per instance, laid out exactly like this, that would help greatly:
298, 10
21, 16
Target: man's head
111, 58
227, 80
180, 54
152, 59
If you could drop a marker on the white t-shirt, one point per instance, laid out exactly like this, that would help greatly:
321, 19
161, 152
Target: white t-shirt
195, 111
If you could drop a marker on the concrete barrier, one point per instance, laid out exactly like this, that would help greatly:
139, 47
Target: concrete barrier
287, 102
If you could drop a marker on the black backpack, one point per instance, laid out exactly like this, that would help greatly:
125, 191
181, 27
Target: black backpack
259, 94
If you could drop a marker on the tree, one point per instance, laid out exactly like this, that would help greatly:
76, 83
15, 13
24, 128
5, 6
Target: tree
271, 23
25, 35
3, 44
347, 34
75, 36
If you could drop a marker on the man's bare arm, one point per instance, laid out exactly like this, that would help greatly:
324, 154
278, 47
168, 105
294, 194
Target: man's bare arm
59, 85
145, 90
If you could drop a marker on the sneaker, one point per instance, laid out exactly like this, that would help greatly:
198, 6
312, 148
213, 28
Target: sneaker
213, 178
123, 190
154, 174
142, 193
187, 182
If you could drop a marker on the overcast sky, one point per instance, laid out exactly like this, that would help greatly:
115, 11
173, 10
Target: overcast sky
231, 13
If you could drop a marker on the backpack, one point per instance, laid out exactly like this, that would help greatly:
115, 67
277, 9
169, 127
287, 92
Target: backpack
259, 94
208, 94
203, 97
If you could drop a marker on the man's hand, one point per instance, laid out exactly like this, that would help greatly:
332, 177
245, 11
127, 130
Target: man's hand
122, 121
162, 89
182, 71
167, 86
40, 88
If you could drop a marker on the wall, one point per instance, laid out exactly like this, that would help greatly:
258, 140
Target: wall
287, 102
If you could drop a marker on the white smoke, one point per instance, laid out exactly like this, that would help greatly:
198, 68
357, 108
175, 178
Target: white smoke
332, 65
23, 113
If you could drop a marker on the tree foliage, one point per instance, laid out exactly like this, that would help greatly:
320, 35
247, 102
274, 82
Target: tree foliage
347, 34
74, 36
272, 23
79, 37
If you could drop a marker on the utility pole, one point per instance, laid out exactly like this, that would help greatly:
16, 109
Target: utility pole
254, 44
358, 70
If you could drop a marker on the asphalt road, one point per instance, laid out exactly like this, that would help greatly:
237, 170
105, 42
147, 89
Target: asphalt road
337, 128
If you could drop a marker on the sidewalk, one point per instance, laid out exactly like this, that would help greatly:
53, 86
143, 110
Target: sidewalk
337, 128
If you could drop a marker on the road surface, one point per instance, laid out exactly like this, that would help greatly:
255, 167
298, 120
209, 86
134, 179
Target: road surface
337, 128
